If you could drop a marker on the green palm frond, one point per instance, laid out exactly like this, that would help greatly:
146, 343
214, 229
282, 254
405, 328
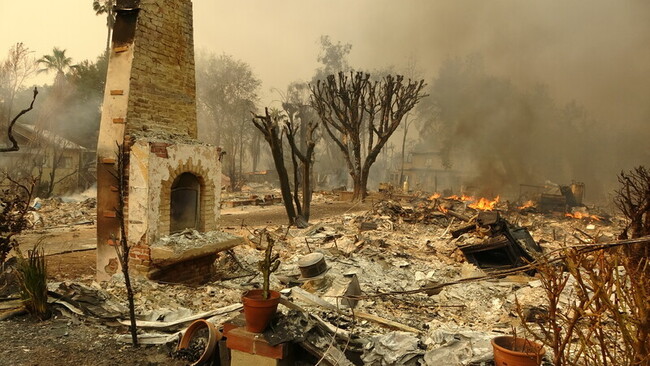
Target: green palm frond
57, 62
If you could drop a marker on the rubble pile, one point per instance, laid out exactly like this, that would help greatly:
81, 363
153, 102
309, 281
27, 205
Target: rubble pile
53, 212
394, 285
393, 249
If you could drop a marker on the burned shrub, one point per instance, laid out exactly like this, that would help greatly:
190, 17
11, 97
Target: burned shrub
597, 301
595, 308
14, 207
633, 200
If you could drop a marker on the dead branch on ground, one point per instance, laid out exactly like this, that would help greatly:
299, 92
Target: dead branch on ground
14, 207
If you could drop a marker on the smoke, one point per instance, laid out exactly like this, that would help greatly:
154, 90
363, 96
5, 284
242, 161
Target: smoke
558, 92
591, 58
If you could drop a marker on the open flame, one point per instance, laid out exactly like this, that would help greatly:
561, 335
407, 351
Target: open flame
527, 204
579, 215
480, 204
485, 204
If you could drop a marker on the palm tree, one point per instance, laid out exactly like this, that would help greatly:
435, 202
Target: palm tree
58, 62
106, 7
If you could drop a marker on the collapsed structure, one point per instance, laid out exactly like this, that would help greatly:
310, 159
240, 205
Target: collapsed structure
173, 181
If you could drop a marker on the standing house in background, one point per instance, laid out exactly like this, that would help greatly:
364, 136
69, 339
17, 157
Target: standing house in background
73, 164
424, 170
173, 180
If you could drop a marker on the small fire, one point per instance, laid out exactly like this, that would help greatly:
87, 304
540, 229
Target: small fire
527, 204
443, 209
484, 204
434, 196
580, 216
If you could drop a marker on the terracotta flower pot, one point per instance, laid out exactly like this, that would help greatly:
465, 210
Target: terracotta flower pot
213, 337
511, 351
258, 311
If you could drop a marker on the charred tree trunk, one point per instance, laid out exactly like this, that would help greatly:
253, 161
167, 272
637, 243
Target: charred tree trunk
57, 158
407, 124
306, 191
50, 183
268, 125
296, 183
305, 156
255, 151
294, 162
357, 195
285, 187
240, 171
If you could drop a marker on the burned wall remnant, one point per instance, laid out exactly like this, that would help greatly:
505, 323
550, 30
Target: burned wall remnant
150, 108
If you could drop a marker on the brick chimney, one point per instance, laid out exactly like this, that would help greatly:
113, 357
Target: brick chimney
174, 181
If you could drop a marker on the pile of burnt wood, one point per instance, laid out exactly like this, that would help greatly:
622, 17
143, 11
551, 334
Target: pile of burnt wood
504, 245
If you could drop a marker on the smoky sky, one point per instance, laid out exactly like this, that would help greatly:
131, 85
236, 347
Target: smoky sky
593, 52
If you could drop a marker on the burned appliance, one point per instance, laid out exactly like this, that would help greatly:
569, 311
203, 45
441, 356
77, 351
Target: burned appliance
505, 246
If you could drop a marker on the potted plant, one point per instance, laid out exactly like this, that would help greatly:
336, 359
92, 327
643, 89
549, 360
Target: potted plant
511, 350
261, 305
201, 334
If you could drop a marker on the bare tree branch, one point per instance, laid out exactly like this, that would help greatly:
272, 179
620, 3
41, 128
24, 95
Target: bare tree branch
10, 135
361, 115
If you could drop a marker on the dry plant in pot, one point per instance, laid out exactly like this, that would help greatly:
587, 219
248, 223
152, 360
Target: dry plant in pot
261, 305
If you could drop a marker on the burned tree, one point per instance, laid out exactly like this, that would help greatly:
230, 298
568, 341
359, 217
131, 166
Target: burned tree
58, 161
300, 127
14, 144
14, 70
633, 200
226, 92
14, 208
360, 115
269, 125
302, 175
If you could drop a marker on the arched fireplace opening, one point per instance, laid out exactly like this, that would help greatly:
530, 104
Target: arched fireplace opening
185, 199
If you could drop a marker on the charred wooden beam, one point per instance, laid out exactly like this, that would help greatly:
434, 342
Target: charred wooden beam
457, 215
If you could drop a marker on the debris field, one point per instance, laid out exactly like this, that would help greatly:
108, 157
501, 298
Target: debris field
408, 282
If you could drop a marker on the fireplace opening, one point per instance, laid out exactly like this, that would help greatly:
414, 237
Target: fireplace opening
185, 195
